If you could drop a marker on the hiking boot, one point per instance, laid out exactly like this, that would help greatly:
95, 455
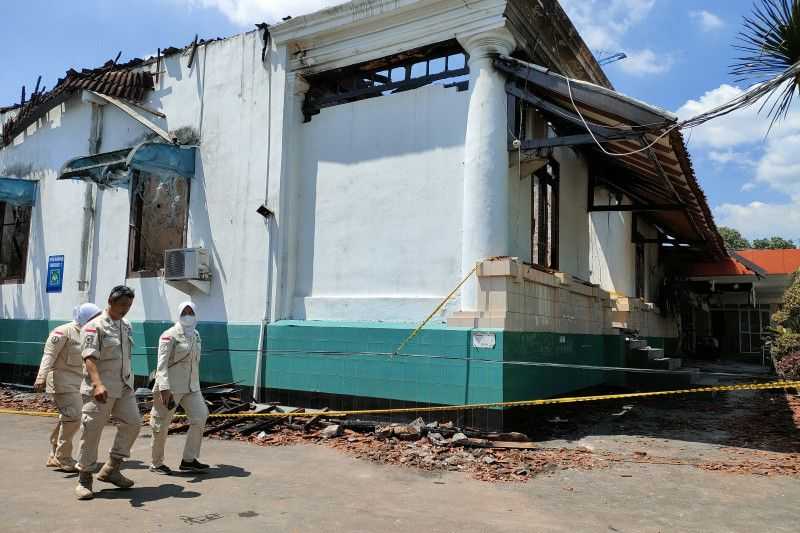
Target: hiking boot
110, 474
69, 468
162, 469
84, 489
193, 465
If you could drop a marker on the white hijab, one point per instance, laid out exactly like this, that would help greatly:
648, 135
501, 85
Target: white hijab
84, 313
187, 323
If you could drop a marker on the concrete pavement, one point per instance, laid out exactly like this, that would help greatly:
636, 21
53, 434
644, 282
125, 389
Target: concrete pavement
314, 488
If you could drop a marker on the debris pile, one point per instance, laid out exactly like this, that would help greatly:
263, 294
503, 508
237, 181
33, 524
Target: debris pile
752, 434
25, 401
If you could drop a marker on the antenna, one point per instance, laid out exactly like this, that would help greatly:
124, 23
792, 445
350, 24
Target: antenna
612, 58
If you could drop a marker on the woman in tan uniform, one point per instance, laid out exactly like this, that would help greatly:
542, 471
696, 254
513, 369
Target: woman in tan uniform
178, 383
61, 374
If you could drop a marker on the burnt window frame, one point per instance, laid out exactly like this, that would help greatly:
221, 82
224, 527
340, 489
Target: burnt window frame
20, 278
135, 225
640, 270
545, 185
372, 79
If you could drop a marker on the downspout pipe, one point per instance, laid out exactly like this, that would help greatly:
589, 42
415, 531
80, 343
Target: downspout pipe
95, 139
262, 330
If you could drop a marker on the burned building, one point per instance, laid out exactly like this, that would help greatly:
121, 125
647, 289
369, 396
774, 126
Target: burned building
319, 186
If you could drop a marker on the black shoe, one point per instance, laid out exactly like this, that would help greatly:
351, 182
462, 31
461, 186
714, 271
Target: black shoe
163, 469
194, 465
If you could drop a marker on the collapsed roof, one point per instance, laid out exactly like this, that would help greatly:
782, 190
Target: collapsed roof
128, 81
633, 148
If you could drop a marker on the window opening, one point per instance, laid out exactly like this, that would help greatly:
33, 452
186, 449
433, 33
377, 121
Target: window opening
544, 216
442, 63
159, 215
15, 225
640, 270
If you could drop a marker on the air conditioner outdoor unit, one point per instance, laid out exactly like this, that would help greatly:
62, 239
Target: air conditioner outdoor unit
188, 268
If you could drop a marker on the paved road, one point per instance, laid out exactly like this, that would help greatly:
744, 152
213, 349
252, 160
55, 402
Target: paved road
313, 488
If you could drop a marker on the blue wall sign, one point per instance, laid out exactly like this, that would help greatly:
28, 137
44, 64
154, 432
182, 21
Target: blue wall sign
55, 273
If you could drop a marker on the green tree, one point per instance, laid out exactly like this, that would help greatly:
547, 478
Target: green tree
774, 243
733, 239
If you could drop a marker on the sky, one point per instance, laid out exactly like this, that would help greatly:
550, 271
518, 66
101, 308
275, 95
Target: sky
679, 52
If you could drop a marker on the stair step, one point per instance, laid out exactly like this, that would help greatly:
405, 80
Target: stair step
666, 363
651, 353
635, 344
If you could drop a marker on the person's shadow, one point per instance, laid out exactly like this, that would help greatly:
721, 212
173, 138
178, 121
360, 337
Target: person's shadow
139, 496
215, 472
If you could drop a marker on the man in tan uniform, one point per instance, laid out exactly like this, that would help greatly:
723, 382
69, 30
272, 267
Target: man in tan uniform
178, 383
61, 372
107, 389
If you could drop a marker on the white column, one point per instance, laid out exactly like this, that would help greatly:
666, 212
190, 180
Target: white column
486, 188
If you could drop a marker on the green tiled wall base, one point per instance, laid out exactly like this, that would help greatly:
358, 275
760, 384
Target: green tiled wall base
439, 366
229, 350
456, 373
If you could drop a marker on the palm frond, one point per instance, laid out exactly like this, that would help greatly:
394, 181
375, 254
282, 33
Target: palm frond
769, 44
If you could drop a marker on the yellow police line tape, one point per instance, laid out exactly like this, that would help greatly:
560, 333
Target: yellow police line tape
467, 407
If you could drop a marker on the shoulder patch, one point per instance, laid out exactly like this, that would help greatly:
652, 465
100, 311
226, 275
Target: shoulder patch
166, 338
90, 330
59, 333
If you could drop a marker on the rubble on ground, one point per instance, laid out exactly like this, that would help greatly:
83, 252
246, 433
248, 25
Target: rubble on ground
760, 434
25, 401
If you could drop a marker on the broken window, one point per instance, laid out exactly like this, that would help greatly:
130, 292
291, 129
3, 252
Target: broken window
640, 270
15, 225
444, 63
544, 216
159, 214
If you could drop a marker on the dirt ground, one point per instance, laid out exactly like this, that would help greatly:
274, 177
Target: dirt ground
725, 462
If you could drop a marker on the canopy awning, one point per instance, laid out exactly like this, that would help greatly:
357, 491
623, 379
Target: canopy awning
112, 169
17, 191
643, 154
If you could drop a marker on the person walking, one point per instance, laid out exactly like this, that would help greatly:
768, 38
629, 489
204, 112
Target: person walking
107, 390
60, 374
178, 383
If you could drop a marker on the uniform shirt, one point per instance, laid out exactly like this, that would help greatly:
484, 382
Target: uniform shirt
110, 343
178, 367
62, 365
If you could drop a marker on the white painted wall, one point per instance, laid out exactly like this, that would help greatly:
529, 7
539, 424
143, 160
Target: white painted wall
56, 217
612, 255
573, 245
380, 195
224, 98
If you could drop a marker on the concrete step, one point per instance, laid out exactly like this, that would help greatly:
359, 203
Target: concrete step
650, 353
635, 344
666, 363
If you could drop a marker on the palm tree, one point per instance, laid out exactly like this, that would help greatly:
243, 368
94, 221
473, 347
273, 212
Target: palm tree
770, 47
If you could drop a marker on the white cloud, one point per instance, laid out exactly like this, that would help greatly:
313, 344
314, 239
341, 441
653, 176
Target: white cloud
249, 12
772, 161
645, 62
603, 25
708, 21
732, 156
758, 219
745, 126
780, 166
